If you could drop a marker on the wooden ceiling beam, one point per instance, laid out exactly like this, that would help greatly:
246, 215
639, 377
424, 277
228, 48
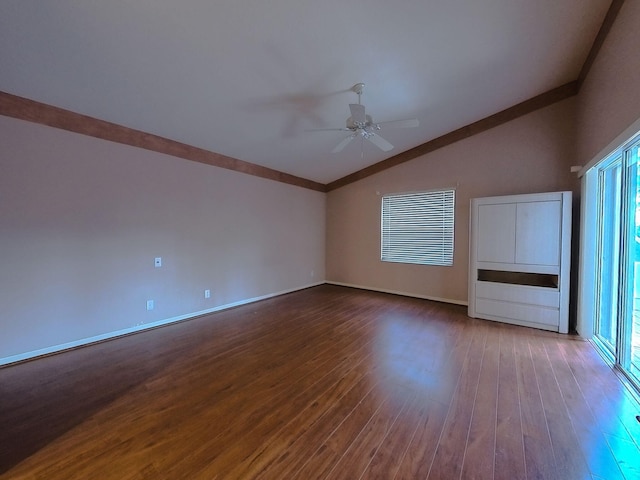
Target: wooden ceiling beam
608, 22
36, 112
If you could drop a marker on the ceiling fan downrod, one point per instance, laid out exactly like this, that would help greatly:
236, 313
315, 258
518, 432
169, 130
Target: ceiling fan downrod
358, 88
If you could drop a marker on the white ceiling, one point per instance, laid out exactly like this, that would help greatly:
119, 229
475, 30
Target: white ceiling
248, 78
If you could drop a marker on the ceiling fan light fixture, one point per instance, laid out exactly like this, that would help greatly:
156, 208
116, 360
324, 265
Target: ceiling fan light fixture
361, 125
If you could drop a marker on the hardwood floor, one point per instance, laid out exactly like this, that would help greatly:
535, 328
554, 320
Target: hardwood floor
328, 382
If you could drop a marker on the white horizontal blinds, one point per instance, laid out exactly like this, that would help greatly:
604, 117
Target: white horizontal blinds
418, 228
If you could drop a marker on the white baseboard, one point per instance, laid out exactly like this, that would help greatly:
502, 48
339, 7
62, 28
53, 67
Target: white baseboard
139, 328
404, 294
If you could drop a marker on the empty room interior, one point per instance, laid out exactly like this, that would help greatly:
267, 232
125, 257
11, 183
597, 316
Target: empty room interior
362, 240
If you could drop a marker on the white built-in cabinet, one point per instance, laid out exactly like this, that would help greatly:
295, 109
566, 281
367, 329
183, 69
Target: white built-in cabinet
520, 254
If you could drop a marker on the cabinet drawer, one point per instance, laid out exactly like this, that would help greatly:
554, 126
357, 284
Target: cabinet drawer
537, 296
526, 313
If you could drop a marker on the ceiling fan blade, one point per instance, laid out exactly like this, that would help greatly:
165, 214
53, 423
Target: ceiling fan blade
380, 142
327, 130
409, 123
357, 113
343, 143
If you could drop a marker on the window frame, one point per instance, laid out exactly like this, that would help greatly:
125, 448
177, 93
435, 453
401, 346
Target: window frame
435, 227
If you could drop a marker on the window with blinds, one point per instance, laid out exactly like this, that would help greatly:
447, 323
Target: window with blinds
418, 228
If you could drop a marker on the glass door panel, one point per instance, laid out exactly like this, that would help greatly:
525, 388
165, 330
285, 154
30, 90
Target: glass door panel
609, 230
629, 330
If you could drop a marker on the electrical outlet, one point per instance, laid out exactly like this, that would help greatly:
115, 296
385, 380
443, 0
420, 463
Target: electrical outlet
149, 304
207, 294
158, 262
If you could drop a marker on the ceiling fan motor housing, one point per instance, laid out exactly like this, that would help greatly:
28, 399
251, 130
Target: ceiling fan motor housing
361, 125
367, 124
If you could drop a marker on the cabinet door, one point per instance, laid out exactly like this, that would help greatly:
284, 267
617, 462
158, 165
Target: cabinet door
496, 233
538, 233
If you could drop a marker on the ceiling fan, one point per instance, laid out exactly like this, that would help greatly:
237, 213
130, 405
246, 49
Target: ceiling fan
359, 124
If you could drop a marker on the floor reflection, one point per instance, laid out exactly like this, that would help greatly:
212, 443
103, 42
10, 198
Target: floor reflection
411, 356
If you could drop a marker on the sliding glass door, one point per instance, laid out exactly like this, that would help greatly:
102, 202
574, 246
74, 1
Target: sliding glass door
629, 342
617, 305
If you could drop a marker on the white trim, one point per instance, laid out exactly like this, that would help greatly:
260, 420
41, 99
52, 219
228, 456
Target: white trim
586, 256
410, 192
139, 328
395, 292
619, 142
520, 323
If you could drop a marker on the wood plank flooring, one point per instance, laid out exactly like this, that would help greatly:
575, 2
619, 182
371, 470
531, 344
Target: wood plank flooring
325, 383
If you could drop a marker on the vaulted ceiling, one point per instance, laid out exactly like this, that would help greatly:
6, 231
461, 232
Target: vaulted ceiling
249, 79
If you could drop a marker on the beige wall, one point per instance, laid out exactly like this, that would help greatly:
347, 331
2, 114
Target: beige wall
530, 154
81, 220
609, 100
